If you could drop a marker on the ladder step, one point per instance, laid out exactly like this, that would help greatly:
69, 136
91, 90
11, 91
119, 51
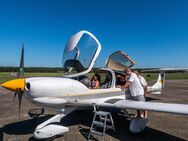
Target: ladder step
102, 113
108, 119
110, 127
97, 123
100, 124
97, 133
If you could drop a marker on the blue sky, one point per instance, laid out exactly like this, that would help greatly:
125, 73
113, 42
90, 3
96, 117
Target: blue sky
153, 32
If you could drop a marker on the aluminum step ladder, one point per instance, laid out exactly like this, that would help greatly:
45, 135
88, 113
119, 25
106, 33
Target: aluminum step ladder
102, 120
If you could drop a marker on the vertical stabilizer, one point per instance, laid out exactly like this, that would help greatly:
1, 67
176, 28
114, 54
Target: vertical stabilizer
159, 85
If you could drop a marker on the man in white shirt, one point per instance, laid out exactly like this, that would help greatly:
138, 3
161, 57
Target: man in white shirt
145, 87
135, 87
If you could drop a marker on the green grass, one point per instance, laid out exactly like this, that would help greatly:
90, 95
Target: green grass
4, 76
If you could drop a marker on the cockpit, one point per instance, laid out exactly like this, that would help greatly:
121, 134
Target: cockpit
79, 57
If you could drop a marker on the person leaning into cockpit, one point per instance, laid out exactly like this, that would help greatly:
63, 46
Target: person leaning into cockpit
120, 80
136, 89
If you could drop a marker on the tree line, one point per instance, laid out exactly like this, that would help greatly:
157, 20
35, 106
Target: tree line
60, 69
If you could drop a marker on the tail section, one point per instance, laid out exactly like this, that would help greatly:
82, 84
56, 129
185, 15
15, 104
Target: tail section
160, 81
159, 85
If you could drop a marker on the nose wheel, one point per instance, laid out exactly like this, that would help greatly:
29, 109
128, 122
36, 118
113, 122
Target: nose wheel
48, 129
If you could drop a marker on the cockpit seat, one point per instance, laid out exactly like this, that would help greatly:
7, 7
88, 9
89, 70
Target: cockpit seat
74, 64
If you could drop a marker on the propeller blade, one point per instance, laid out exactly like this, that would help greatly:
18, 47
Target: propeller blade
21, 75
20, 93
21, 68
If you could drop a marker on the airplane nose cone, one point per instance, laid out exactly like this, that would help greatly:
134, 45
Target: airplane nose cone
14, 85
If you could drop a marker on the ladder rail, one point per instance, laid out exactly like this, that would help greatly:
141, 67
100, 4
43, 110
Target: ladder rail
91, 126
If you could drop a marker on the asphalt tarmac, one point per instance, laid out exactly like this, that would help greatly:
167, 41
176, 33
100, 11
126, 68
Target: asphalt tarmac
161, 126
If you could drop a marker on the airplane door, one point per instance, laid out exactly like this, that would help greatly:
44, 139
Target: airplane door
119, 61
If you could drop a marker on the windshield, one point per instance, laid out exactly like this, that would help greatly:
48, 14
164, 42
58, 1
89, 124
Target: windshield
79, 56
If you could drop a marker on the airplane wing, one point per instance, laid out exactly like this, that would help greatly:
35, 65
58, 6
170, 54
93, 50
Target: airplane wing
153, 106
119, 103
149, 106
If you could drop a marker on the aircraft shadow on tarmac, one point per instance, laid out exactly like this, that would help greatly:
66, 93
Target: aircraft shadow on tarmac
76, 118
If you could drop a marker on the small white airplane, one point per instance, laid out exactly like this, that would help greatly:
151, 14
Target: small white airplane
67, 93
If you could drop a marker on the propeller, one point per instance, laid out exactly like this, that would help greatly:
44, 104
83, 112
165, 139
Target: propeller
17, 85
19, 91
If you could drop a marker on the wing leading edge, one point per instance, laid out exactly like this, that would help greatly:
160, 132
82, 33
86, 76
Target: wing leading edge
150, 106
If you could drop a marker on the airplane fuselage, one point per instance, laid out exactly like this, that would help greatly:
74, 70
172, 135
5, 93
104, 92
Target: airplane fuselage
72, 91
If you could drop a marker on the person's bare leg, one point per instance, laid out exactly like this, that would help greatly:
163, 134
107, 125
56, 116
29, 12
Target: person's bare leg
142, 113
145, 114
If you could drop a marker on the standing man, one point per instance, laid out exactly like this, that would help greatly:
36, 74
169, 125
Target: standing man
145, 86
135, 87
